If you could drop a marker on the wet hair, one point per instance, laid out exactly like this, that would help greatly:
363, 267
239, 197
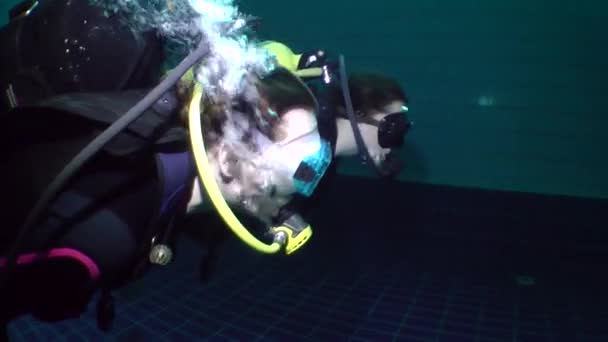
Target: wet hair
284, 91
275, 94
370, 92
281, 91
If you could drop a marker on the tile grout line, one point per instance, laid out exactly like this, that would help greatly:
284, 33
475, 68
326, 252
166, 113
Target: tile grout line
412, 304
224, 299
480, 315
444, 314
330, 309
292, 308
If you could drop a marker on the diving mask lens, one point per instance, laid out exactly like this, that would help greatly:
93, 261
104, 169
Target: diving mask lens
392, 130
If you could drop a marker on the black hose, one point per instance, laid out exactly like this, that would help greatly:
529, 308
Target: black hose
95, 146
363, 151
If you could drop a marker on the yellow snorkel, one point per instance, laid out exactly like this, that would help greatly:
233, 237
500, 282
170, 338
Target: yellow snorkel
294, 232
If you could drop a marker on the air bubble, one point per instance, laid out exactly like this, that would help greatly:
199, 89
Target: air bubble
219, 22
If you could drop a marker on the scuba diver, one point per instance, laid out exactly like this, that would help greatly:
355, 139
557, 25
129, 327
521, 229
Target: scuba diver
102, 218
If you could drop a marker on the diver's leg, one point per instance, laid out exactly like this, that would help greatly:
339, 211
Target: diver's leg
217, 237
60, 288
50, 289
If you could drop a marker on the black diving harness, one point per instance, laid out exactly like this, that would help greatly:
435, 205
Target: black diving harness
94, 147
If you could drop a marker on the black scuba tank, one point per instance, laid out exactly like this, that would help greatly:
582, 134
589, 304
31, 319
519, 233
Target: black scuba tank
52, 47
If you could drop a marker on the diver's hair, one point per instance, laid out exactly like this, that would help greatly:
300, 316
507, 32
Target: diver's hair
283, 91
274, 94
369, 92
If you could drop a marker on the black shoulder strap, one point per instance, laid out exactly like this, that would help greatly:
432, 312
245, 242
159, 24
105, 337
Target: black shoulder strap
159, 124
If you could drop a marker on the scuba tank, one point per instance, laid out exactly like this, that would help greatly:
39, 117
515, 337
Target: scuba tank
53, 47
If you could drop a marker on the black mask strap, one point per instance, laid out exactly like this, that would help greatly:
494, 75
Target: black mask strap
350, 112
